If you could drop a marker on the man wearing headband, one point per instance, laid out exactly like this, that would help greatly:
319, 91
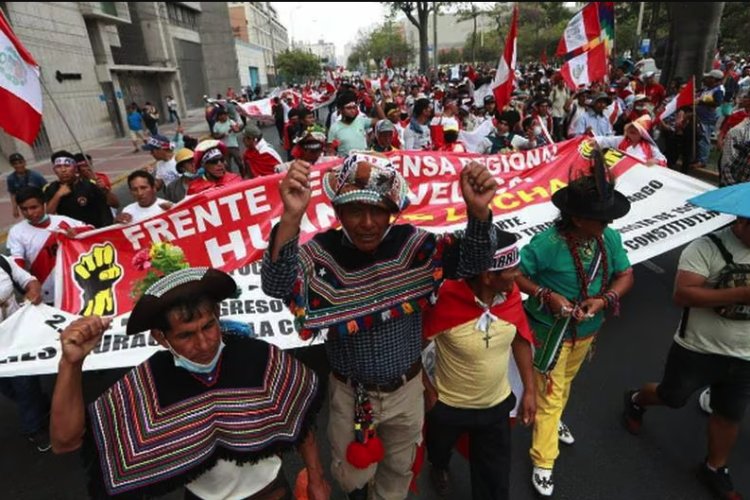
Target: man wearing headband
393, 114
165, 167
73, 196
212, 412
210, 156
475, 324
364, 286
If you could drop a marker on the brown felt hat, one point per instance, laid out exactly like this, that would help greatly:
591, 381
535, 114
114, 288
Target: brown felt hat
177, 286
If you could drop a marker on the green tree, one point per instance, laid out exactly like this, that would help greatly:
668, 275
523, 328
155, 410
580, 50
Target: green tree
733, 34
386, 41
297, 66
451, 56
470, 11
417, 13
487, 46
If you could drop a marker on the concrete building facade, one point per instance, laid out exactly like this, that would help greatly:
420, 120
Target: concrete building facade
452, 32
113, 53
324, 50
258, 24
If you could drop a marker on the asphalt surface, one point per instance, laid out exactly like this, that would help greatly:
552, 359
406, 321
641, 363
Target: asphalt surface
605, 462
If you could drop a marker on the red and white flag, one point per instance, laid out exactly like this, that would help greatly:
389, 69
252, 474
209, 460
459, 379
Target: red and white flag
582, 29
586, 68
716, 62
684, 98
20, 88
505, 78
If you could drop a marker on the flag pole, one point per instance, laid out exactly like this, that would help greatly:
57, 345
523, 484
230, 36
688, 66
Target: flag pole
62, 116
695, 121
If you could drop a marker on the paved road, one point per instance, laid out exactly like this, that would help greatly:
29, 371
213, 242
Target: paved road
605, 463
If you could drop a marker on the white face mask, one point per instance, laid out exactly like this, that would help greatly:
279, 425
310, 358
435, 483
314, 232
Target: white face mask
191, 366
537, 130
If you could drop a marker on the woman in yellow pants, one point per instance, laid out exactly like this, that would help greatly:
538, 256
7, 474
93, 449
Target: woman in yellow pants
572, 272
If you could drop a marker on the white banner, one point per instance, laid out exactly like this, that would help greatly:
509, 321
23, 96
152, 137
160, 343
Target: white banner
660, 220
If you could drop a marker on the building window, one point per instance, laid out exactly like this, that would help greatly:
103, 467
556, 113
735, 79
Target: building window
182, 16
109, 8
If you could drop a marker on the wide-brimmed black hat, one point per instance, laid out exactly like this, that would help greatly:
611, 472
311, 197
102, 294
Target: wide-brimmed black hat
175, 287
592, 194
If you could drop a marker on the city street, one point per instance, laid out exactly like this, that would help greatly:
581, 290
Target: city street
605, 463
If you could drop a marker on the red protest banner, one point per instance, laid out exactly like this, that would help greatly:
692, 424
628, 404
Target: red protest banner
229, 228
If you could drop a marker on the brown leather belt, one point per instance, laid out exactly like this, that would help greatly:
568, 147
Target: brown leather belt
389, 386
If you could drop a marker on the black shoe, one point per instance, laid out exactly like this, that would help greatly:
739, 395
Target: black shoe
720, 482
40, 439
440, 481
360, 494
632, 414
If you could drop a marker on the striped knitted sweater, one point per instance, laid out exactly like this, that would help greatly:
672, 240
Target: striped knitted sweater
159, 426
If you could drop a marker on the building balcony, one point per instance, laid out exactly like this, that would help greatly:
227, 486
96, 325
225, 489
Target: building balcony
108, 12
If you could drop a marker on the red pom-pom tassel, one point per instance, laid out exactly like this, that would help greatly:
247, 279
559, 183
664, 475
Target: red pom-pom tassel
376, 449
358, 455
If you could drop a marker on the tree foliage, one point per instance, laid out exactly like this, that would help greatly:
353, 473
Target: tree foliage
487, 47
385, 41
417, 13
734, 35
297, 66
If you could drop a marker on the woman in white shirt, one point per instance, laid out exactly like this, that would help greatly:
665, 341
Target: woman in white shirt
636, 142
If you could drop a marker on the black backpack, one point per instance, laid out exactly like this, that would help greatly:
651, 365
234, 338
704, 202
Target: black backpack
732, 275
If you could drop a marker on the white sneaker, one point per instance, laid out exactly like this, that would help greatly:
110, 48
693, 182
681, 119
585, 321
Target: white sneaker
704, 401
564, 434
542, 481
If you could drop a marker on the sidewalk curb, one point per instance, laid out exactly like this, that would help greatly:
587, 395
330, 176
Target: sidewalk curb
189, 116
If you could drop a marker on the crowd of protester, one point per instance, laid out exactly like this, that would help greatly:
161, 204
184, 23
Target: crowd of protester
572, 273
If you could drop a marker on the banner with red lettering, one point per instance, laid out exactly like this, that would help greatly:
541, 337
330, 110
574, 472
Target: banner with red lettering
229, 228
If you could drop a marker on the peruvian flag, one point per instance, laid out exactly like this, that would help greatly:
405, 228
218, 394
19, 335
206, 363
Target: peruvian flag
684, 98
505, 78
582, 29
716, 62
20, 88
586, 68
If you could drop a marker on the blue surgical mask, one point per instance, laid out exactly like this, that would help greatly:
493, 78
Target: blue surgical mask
192, 366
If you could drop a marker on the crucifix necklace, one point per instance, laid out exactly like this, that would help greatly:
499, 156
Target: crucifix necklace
486, 339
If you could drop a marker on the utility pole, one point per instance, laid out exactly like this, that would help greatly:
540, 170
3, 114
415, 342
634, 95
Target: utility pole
434, 33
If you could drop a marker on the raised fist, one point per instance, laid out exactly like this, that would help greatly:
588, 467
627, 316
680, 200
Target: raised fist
96, 273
